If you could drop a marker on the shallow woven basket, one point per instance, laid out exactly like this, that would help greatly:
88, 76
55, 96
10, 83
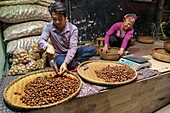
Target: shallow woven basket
19, 84
167, 46
146, 39
111, 55
161, 54
87, 71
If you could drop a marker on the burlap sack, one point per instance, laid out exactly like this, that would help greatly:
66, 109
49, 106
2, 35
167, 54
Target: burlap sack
47, 1
22, 13
17, 2
43, 3
22, 2
24, 43
26, 29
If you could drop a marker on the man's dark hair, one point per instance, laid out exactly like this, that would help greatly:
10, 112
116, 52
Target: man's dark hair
58, 7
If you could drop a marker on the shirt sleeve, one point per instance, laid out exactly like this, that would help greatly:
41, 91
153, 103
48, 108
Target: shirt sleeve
109, 33
42, 41
73, 46
127, 38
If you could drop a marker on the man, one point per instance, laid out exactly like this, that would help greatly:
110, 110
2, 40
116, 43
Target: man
64, 37
120, 33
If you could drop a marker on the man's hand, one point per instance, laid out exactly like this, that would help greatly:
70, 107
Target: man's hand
63, 68
50, 51
121, 51
105, 49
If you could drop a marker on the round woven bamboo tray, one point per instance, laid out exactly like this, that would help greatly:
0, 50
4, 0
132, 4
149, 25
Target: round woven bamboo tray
146, 39
19, 84
167, 46
161, 54
111, 55
87, 71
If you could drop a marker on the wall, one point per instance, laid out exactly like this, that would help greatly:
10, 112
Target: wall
95, 17
2, 53
166, 11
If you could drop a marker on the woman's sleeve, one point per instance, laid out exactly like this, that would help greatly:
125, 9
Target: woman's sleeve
127, 38
109, 33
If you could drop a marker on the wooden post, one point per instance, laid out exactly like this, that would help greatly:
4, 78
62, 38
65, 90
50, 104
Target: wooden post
159, 16
100, 41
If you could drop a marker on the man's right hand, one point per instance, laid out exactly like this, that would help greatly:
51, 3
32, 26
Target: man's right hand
63, 68
50, 51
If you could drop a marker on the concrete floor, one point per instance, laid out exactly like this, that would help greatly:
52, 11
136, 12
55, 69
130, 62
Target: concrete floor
145, 49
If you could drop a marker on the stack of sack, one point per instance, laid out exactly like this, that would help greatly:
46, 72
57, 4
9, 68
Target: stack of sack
23, 24
26, 61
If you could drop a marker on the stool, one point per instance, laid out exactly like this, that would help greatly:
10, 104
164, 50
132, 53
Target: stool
100, 41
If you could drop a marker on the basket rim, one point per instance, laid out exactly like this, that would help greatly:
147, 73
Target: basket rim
100, 52
155, 50
43, 106
105, 83
153, 38
146, 42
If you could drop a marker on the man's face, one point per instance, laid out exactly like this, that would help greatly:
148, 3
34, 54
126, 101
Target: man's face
59, 20
127, 24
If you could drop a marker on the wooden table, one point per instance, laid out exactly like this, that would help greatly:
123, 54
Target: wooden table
144, 96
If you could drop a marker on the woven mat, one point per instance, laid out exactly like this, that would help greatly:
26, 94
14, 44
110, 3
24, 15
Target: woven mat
3, 83
87, 88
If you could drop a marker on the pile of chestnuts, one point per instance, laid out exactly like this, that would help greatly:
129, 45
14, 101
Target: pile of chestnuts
48, 90
116, 73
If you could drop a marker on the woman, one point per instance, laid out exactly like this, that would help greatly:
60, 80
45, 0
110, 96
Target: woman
120, 33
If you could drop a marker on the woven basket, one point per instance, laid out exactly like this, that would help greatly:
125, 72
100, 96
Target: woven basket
19, 84
161, 54
146, 39
87, 71
111, 55
167, 46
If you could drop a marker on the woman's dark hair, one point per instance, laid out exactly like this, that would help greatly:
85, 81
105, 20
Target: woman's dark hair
58, 7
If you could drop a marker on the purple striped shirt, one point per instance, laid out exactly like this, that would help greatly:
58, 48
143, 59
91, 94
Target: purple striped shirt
116, 28
64, 42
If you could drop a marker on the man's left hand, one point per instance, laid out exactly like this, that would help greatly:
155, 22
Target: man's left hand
63, 68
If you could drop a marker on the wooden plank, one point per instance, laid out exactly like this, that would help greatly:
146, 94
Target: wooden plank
144, 96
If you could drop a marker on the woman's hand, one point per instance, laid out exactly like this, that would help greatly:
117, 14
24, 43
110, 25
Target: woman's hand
63, 68
50, 51
105, 49
121, 51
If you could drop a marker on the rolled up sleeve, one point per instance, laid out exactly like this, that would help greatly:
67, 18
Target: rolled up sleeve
42, 41
109, 33
73, 46
127, 38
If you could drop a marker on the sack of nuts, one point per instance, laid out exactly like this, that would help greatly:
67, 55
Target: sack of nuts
25, 61
18, 69
20, 57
